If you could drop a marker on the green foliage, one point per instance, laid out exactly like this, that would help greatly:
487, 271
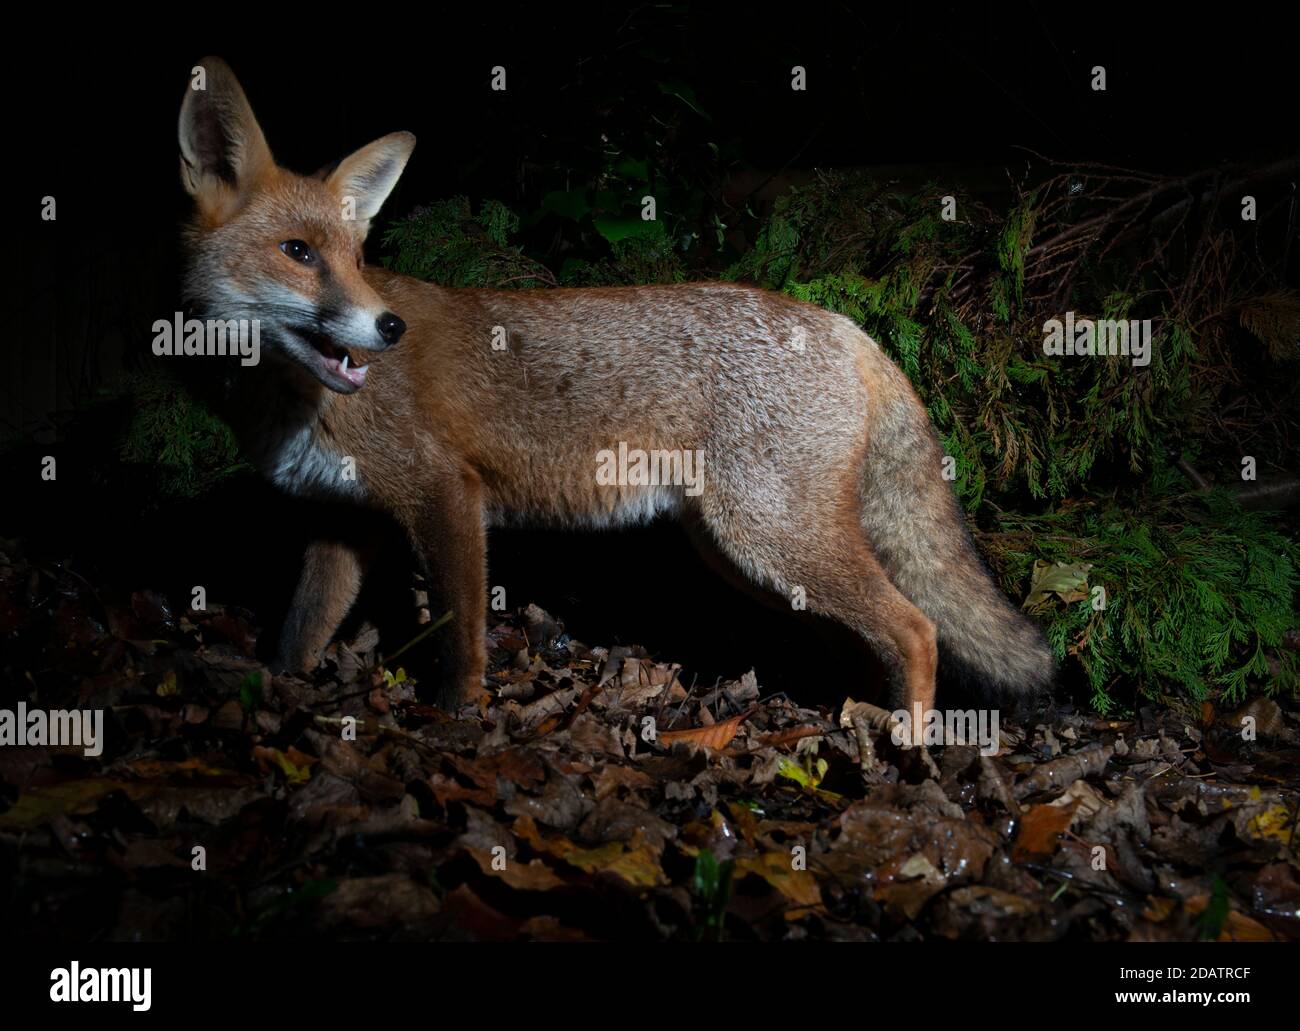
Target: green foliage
188, 448
446, 243
250, 693
711, 883
1211, 921
635, 259
1198, 593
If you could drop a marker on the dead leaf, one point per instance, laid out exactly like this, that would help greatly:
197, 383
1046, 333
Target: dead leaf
799, 887
1041, 828
532, 876
1067, 581
716, 737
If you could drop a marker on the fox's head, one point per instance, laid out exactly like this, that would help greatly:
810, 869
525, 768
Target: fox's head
282, 248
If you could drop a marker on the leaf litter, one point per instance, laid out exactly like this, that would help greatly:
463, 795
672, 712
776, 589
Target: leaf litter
589, 794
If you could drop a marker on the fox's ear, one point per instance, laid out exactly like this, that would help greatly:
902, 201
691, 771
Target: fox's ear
370, 174
223, 150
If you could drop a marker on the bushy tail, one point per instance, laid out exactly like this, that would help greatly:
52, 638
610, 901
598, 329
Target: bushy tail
916, 529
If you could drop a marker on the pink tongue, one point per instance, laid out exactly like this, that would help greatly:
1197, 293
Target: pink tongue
352, 373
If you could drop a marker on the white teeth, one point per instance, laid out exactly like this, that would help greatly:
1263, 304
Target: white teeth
344, 366
361, 368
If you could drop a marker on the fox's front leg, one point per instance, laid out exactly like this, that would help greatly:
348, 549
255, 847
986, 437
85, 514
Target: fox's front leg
331, 579
450, 536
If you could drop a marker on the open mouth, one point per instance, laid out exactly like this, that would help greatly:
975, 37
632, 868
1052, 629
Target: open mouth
337, 361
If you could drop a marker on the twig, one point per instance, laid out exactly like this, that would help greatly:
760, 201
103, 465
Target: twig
442, 621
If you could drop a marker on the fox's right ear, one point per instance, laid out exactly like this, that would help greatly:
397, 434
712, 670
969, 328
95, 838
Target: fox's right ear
223, 150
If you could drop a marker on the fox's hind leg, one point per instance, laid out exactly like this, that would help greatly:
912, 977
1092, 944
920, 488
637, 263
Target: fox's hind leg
840, 578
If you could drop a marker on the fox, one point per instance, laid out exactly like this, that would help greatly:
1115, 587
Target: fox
814, 470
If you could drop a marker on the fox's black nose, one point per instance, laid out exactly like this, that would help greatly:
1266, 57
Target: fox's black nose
390, 328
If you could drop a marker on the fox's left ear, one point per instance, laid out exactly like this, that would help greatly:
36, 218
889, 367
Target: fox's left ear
369, 175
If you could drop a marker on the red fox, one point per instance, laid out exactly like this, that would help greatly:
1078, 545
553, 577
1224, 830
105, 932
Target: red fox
780, 433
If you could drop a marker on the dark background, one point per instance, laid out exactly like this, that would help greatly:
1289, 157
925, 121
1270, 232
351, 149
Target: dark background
957, 92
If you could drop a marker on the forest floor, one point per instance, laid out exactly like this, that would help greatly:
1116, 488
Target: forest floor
591, 794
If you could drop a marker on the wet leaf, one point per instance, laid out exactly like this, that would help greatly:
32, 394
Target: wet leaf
1041, 828
38, 805
799, 887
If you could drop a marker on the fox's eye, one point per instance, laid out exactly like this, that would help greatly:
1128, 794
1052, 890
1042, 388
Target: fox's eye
298, 251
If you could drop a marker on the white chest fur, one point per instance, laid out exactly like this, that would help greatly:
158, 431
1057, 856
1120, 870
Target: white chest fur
288, 444
301, 464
